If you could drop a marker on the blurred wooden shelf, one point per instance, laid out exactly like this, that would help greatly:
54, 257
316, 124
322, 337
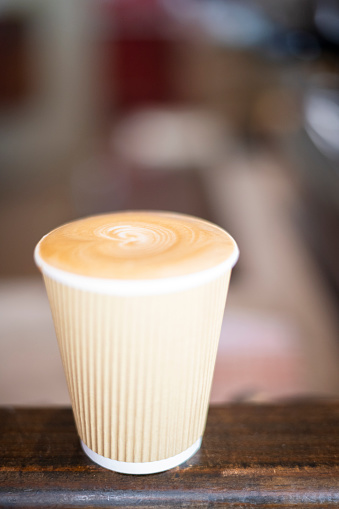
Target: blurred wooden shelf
284, 455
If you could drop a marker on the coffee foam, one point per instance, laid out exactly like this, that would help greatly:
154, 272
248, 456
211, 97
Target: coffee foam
137, 246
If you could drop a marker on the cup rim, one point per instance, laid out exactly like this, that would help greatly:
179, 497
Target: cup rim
147, 286
110, 286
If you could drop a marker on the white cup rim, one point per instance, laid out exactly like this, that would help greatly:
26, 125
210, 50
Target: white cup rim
110, 286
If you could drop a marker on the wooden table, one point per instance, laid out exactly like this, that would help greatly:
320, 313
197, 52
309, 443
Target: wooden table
283, 455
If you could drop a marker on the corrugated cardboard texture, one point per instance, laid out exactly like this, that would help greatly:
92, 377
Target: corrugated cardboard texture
139, 369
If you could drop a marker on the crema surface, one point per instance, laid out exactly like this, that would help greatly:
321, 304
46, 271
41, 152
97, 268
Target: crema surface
137, 245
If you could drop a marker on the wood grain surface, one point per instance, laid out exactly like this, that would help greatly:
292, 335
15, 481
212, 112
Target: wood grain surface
283, 455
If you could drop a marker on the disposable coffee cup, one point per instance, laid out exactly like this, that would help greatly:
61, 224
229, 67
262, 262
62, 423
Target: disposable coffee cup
137, 300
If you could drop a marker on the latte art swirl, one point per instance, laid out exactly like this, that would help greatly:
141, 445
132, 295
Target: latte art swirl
136, 245
134, 239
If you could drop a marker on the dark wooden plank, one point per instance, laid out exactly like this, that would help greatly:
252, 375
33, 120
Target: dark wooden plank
252, 455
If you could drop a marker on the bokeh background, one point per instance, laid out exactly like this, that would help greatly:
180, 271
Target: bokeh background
224, 109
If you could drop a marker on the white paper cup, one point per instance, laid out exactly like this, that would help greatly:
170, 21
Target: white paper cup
139, 359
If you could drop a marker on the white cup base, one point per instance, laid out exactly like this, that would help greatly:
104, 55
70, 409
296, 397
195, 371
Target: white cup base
148, 467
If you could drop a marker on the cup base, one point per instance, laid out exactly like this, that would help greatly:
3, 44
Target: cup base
148, 467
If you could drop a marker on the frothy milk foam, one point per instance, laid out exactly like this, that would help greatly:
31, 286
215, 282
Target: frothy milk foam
137, 246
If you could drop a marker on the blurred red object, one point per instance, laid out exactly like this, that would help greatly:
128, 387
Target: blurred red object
137, 53
15, 77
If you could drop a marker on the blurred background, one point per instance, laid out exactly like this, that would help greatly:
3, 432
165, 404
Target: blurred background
224, 109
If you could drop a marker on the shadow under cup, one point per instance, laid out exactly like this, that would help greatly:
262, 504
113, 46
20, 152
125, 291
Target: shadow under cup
139, 358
